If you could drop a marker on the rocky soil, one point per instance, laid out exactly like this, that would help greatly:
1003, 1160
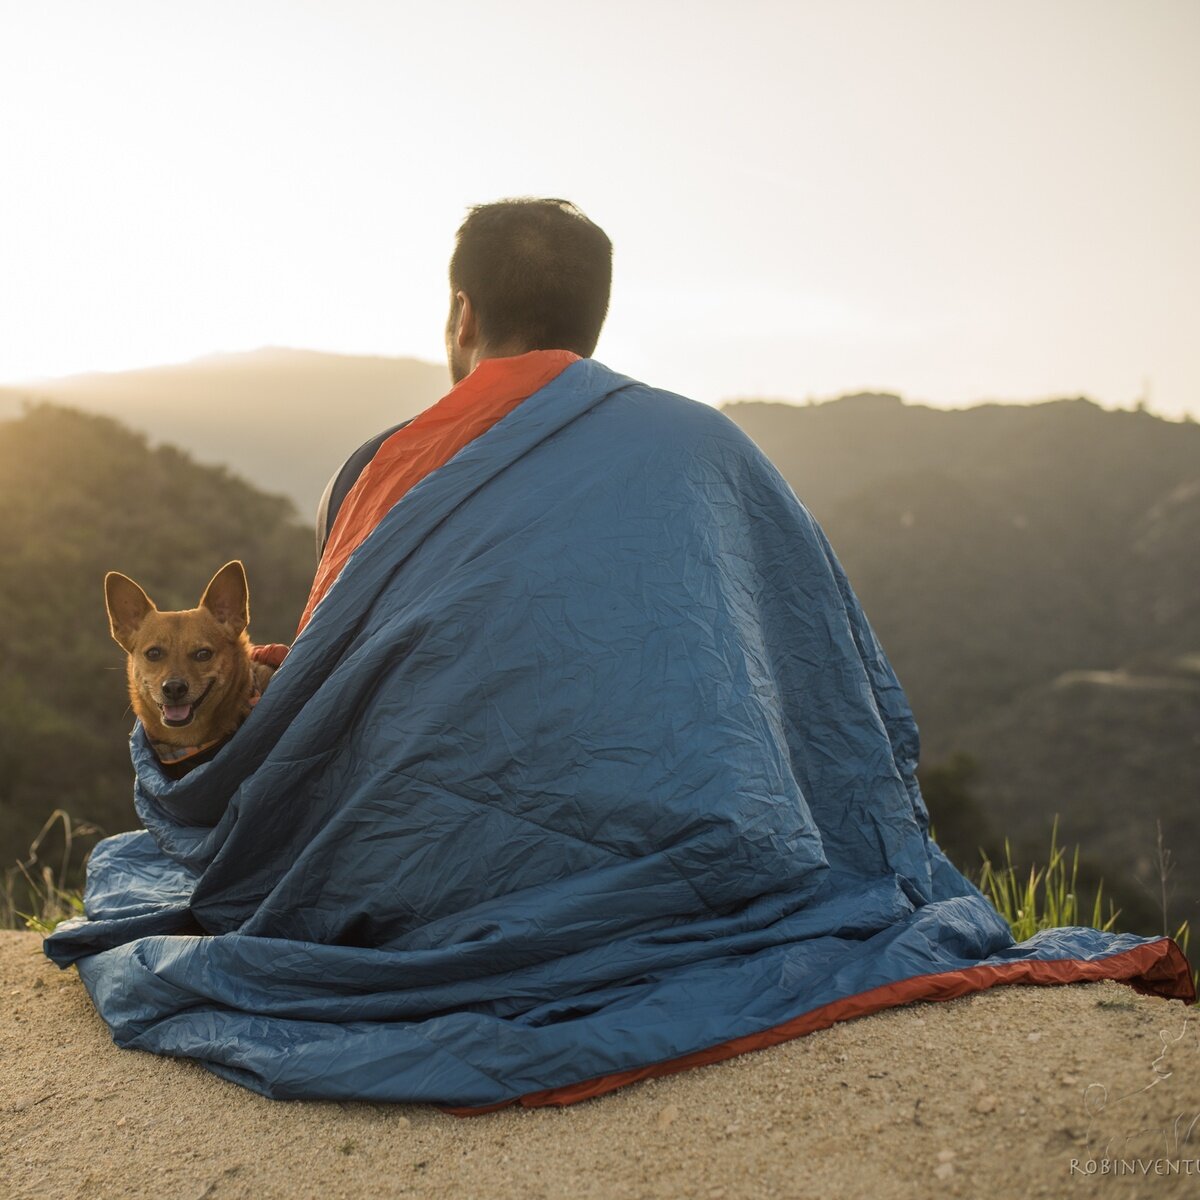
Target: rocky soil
994, 1095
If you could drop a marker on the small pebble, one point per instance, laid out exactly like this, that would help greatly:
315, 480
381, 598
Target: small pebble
668, 1115
985, 1104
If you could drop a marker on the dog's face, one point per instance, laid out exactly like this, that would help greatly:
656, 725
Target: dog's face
188, 670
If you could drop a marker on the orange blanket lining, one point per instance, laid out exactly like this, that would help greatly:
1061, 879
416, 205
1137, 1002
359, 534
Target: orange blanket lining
1157, 967
472, 407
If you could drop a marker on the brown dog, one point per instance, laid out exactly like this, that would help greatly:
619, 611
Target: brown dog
191, 678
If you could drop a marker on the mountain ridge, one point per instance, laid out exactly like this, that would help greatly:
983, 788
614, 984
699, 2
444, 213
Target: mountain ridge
285, 419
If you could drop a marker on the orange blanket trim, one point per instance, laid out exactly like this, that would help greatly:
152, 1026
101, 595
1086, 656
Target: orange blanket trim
470, 408
1158, 968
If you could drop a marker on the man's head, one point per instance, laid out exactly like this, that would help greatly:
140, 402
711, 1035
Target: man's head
526, 275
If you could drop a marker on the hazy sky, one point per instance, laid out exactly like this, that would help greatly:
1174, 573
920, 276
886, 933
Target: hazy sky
955, 200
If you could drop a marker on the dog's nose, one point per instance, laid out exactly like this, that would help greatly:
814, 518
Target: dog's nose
174, 689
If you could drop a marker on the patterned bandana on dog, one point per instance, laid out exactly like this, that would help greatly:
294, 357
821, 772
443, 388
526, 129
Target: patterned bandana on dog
171, 756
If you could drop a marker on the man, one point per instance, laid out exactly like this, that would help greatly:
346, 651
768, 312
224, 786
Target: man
529, 288
585, 764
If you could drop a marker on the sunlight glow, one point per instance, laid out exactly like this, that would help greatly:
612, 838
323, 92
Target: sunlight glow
955, 201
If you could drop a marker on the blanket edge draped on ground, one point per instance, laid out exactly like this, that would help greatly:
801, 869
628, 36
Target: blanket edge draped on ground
1157, 968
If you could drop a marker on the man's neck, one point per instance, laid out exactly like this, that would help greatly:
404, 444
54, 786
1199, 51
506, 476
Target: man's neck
484, 353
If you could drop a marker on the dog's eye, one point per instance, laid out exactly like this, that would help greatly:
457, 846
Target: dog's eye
154, 653
202, 655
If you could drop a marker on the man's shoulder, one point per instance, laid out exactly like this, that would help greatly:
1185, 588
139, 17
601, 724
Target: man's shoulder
343, 479
674, 419
646, 427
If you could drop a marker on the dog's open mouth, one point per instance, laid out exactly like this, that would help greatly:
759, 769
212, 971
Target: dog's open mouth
178, 715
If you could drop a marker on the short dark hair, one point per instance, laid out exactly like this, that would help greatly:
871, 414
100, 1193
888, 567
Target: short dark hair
538, 273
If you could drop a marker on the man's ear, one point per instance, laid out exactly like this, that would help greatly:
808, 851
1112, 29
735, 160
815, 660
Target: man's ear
128, 606
227, 596
466, 331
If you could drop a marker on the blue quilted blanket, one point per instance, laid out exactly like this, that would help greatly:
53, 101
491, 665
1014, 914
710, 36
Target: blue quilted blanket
587, 762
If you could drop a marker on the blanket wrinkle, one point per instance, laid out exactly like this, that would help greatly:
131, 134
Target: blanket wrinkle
587, 763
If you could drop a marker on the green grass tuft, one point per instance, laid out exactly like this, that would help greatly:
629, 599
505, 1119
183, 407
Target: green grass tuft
1046, 898
34, 895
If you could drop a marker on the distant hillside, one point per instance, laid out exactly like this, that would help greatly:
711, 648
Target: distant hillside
1033, 573
283, 419
80, 495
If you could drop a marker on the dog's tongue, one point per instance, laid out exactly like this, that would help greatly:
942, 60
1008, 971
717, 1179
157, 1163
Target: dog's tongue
177, 712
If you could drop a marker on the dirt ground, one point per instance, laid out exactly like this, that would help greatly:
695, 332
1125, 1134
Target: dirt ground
991, 1095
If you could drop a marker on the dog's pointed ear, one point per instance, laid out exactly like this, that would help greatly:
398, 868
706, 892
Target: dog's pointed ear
128, 606
227, 596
